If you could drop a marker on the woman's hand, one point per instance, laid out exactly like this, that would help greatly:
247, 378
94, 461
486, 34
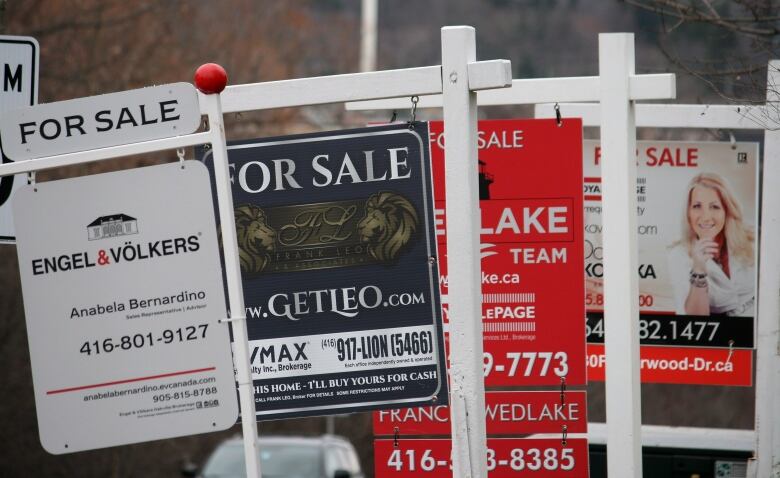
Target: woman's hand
702, 251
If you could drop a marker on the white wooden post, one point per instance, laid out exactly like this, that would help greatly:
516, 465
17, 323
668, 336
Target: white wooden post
369, 12
469, 444
768, 338
246, 394
621, 284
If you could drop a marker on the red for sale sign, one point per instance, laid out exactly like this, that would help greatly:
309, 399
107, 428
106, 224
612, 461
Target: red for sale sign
506, 413
506, 458
531, 200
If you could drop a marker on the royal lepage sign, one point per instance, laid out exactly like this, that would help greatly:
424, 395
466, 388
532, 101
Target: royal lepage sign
506, 458
530, 179
506, 413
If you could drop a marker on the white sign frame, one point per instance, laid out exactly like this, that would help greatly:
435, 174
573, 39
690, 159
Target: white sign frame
766, 435
617, 88
459, 77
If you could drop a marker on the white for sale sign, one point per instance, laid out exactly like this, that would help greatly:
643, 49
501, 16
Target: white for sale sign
18, 87
100, 121
123, 295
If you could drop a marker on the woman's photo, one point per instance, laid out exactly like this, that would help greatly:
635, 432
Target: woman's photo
712, 267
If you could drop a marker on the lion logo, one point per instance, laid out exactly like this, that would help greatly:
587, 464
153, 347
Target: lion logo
256, 239
388, 226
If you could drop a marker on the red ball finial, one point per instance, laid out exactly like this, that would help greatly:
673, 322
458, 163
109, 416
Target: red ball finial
210, 78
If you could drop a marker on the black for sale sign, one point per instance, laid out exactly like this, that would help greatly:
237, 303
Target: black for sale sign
338, 257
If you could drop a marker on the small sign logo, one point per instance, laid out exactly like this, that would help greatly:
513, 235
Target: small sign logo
303, 237
112, 226
741, 158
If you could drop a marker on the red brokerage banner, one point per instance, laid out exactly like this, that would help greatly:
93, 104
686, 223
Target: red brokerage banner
690, 365
506, 413
506, 458
530, 177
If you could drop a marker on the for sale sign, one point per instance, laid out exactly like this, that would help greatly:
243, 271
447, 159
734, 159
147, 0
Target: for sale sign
339, 262
506, 413
100, 121
530, 186
696, 225
506, 458
122, 296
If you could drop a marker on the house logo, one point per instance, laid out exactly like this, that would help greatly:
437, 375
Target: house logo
112, 226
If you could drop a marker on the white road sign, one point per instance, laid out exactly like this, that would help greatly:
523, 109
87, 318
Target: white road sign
100, 121
123, 294
19, 79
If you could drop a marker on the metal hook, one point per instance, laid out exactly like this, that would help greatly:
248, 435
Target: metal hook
731, 350
563, 390
732, 140
564, 433
558, 118
395, 437
31, 180
180, 154
413, 115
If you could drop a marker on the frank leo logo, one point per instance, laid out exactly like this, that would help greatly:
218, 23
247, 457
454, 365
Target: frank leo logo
741, 158
112, 226
301, 237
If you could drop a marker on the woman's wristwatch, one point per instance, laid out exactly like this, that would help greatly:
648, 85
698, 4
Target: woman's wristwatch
698, 280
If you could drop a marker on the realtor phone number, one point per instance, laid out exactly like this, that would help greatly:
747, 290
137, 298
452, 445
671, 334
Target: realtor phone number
526, 364
148, 339
670, 330
516, 459
198, 392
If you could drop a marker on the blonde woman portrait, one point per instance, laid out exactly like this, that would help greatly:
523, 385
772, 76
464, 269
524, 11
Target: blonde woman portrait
712, 267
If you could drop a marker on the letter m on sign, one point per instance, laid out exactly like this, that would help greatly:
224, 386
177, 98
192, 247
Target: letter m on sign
12, 80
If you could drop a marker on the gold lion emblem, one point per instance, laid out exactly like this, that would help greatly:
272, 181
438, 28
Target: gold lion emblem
256, 239
388, 226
